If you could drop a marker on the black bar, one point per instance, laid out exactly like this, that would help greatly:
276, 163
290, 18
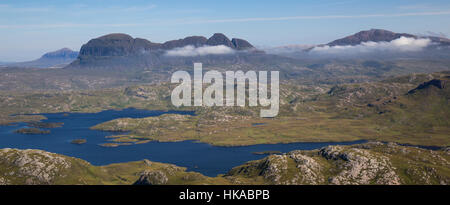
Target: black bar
171, 193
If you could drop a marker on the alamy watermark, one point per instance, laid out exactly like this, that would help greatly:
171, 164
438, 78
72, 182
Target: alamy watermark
213, 94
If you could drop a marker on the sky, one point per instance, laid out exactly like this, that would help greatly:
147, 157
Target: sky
29, 29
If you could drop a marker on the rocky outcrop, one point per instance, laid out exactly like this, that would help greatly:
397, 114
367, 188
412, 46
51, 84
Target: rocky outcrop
241, 44
219, 39
309, 169
369, 163
31, 166
359, 166
37, 167
273, 167
152, 178
437, 83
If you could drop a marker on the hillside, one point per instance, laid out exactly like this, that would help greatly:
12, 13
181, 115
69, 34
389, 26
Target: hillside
370, 163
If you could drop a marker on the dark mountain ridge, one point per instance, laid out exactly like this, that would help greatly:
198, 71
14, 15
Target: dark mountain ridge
123, 51
380, 35
434, 83
374, 35
118, 44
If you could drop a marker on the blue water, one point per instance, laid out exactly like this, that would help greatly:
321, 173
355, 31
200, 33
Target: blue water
200, 157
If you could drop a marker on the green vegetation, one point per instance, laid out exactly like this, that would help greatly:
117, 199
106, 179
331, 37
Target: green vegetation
370, 111
308, 113
370, 163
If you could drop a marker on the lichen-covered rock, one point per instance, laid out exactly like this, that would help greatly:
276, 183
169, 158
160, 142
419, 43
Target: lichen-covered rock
152, 178
361, 167
273, 167
3, 181
309, 169
32, 166
369, 163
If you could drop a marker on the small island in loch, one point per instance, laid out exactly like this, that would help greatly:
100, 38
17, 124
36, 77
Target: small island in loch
78, 141
32, 131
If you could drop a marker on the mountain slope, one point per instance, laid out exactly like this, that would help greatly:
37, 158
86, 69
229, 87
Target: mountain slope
374, 35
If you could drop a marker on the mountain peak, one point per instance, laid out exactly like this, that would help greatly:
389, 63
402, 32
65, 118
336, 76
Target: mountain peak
241, 44
116, 36
61, 53
190, 40
219, 39
374, 35
116, 44
58, 58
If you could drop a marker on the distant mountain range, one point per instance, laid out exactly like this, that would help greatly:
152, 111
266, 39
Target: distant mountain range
380, 35
123, 51
119, 44
374, 35
59, 58
119, 50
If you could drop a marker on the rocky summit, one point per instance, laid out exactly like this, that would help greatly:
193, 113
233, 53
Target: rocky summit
380, 35
374, 35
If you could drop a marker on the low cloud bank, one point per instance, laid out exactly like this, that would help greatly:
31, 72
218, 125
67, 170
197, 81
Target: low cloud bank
402, 44
286, 49
200, 51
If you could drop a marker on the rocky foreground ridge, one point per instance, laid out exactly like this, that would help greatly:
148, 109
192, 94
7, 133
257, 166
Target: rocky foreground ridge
369, 163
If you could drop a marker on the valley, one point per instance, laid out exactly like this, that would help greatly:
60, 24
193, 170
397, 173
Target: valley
381, 119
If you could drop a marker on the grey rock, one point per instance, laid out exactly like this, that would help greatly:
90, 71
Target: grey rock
152, 178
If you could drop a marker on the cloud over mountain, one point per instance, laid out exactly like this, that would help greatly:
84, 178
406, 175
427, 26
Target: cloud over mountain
200, 51
402, 44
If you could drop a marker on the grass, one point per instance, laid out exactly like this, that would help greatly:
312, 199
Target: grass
307, 114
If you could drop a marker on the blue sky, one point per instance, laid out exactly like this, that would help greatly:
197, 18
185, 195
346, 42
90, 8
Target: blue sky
30, 28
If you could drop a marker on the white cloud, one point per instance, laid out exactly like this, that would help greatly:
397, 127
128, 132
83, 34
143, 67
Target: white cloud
200, 51
401, 44
286, 49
